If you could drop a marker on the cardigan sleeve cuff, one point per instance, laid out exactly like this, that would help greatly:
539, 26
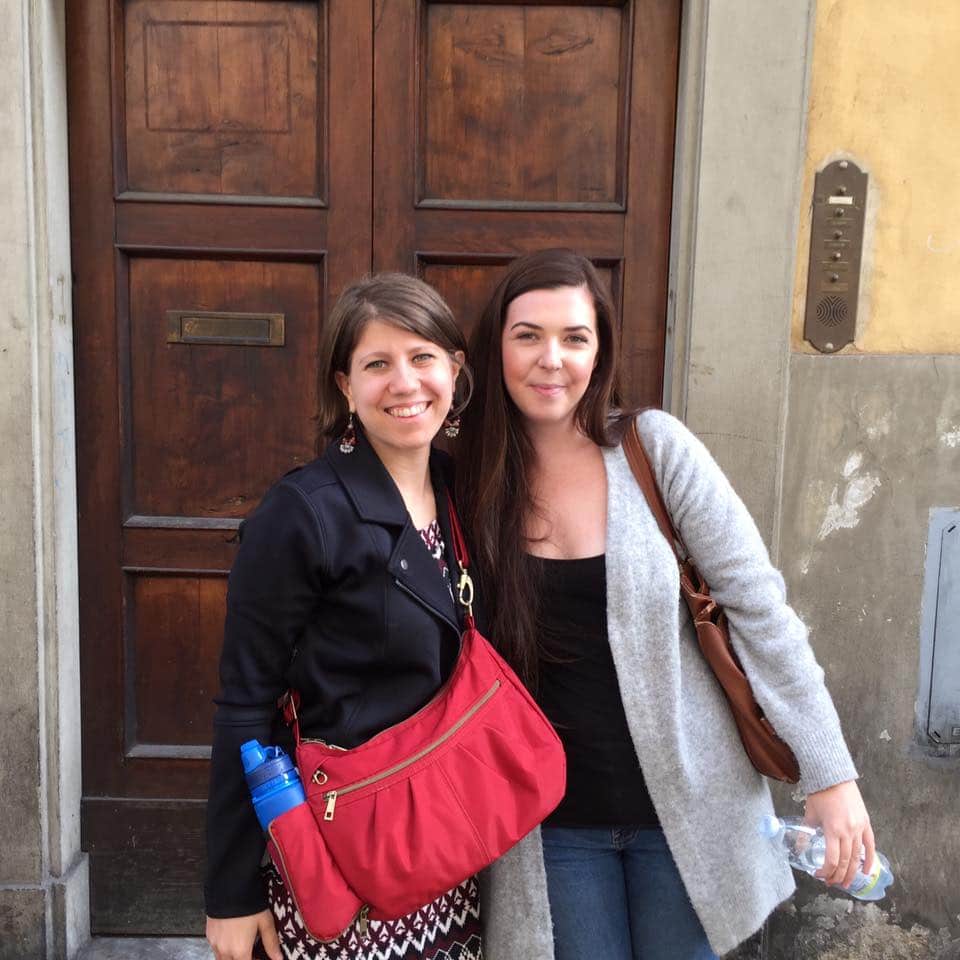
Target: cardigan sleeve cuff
824, 761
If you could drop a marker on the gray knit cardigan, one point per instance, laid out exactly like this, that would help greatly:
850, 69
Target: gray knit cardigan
707, 795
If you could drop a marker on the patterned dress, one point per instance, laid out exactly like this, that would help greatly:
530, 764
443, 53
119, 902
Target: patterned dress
447, 929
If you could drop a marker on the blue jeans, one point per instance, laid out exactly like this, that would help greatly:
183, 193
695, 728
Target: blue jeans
616, 893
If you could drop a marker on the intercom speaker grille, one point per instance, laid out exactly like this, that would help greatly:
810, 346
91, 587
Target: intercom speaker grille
832, 311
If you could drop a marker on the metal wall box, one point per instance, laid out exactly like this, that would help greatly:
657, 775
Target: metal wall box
836, 246
939, 696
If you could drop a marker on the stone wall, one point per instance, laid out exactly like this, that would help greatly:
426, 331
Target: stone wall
43, 881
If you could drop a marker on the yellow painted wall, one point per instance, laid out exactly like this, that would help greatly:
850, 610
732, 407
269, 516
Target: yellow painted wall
885, 92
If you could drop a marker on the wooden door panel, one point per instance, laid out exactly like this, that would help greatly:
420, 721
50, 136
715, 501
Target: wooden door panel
646, 227
536, 124
478, 232
235, 229
466, 286
182, 546
211, 207
164, 714
135, 844
224, 97
253, 404
522, 105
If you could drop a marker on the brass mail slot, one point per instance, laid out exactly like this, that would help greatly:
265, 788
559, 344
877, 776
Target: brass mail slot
213, 327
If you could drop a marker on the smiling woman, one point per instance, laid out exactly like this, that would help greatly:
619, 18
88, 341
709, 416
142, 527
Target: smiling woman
341, 592
400, 386
583, 592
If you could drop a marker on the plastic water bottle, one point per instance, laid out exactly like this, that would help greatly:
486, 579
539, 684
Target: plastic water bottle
806, 850
273, 779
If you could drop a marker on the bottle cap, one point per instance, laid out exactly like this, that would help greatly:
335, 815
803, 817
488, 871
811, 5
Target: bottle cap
251, 755
769, 826
275, 764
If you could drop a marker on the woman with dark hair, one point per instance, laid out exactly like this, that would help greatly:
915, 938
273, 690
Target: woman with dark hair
654, 852
340, 591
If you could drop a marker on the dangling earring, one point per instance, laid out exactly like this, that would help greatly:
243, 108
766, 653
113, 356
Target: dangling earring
451, 426
349, 439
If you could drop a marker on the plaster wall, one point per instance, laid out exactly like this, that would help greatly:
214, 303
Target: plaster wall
870, 449
869, 453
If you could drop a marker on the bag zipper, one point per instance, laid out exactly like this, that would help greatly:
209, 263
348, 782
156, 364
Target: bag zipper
323, 743
331, 796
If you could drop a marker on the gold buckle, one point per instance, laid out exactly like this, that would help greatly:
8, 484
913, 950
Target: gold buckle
465, 591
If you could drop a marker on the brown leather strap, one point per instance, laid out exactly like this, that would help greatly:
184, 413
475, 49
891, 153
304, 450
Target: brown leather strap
643, 472
768, 753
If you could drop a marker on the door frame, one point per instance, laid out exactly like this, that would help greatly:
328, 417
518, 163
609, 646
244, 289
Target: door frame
696, 244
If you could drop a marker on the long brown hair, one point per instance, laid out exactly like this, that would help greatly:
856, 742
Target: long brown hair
404, 301
495, 454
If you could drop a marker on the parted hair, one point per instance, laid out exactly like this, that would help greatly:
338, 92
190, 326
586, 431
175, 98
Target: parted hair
495, 455
396, 298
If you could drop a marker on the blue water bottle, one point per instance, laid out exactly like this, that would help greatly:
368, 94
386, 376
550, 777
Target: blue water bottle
273, 780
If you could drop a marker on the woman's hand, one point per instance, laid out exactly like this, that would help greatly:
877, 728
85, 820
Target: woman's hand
839, 810
232, 938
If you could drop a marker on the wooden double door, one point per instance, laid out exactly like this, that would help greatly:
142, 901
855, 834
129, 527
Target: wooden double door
234, 164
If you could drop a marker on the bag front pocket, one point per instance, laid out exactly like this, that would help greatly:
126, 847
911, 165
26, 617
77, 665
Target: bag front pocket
508, 773
403, 845
326, 902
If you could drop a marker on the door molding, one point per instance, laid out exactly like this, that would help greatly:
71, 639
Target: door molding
741, 139
43, 876
683, 220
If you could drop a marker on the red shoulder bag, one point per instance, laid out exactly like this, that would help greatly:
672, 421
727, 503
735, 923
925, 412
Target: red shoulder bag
395, 822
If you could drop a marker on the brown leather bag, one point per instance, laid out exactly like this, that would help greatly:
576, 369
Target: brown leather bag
767, 752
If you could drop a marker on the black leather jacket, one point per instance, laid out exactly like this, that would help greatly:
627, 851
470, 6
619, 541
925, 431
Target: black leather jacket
334, 594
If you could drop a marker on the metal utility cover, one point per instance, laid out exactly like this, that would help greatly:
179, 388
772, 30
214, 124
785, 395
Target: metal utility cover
940, 630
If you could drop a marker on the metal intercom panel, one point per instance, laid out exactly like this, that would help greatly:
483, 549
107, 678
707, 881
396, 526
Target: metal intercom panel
836, 246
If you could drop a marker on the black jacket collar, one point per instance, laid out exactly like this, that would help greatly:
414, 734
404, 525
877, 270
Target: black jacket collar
367, 482
376, 499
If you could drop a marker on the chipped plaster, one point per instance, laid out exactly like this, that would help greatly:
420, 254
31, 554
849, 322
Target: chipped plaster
843, 511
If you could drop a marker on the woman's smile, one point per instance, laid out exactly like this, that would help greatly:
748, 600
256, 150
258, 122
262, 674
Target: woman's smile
409, 411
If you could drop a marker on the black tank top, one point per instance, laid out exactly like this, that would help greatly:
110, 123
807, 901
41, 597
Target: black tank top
579, 693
